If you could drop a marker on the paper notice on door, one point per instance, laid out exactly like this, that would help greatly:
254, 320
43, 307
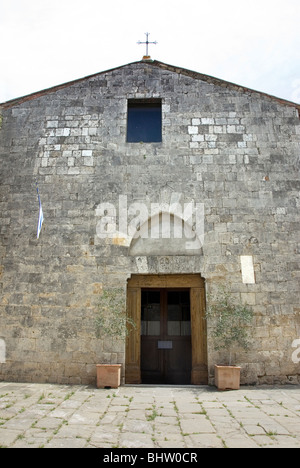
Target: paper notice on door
165, 345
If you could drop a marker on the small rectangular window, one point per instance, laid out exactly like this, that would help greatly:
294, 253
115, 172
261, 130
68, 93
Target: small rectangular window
144, 121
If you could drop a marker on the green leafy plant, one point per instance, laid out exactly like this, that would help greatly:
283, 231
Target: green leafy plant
111, 319
230, 321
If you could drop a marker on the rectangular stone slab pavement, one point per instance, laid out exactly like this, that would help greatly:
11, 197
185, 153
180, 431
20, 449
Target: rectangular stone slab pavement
54, 416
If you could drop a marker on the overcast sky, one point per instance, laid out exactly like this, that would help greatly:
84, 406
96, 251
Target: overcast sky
253, 43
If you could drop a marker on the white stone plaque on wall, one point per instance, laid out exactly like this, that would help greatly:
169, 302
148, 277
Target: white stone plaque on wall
247, 269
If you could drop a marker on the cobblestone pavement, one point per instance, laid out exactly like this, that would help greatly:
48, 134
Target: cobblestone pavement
53, 416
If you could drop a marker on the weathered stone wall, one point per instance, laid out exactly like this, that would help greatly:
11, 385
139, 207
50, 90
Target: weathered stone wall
232, 150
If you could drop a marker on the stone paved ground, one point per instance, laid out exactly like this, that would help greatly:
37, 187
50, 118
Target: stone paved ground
52, 416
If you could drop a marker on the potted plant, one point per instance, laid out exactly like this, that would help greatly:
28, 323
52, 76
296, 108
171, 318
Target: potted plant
112, 324
230, 322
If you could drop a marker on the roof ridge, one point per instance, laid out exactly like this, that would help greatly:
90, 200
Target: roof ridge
221, 82
53, 89
157, 63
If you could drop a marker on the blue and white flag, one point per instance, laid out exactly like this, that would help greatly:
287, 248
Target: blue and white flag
41, 215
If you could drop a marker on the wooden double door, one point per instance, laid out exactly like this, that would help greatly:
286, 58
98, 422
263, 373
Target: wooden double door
166, 346
169, 344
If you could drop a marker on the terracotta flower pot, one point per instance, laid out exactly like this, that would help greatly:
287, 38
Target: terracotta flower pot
108, 375
227, 377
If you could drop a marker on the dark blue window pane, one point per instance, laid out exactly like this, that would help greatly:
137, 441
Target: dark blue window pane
144, 122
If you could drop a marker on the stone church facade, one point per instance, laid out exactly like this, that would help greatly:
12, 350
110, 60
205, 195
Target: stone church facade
209, 197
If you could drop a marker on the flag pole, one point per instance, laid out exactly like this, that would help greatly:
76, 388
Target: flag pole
41, 215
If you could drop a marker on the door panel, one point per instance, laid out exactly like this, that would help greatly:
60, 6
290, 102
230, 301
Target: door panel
166, 336
151, 358
178, 363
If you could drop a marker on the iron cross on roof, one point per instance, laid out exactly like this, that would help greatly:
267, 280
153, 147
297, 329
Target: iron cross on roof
147, 44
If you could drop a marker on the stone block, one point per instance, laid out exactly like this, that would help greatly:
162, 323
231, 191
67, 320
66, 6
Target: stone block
193, 130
